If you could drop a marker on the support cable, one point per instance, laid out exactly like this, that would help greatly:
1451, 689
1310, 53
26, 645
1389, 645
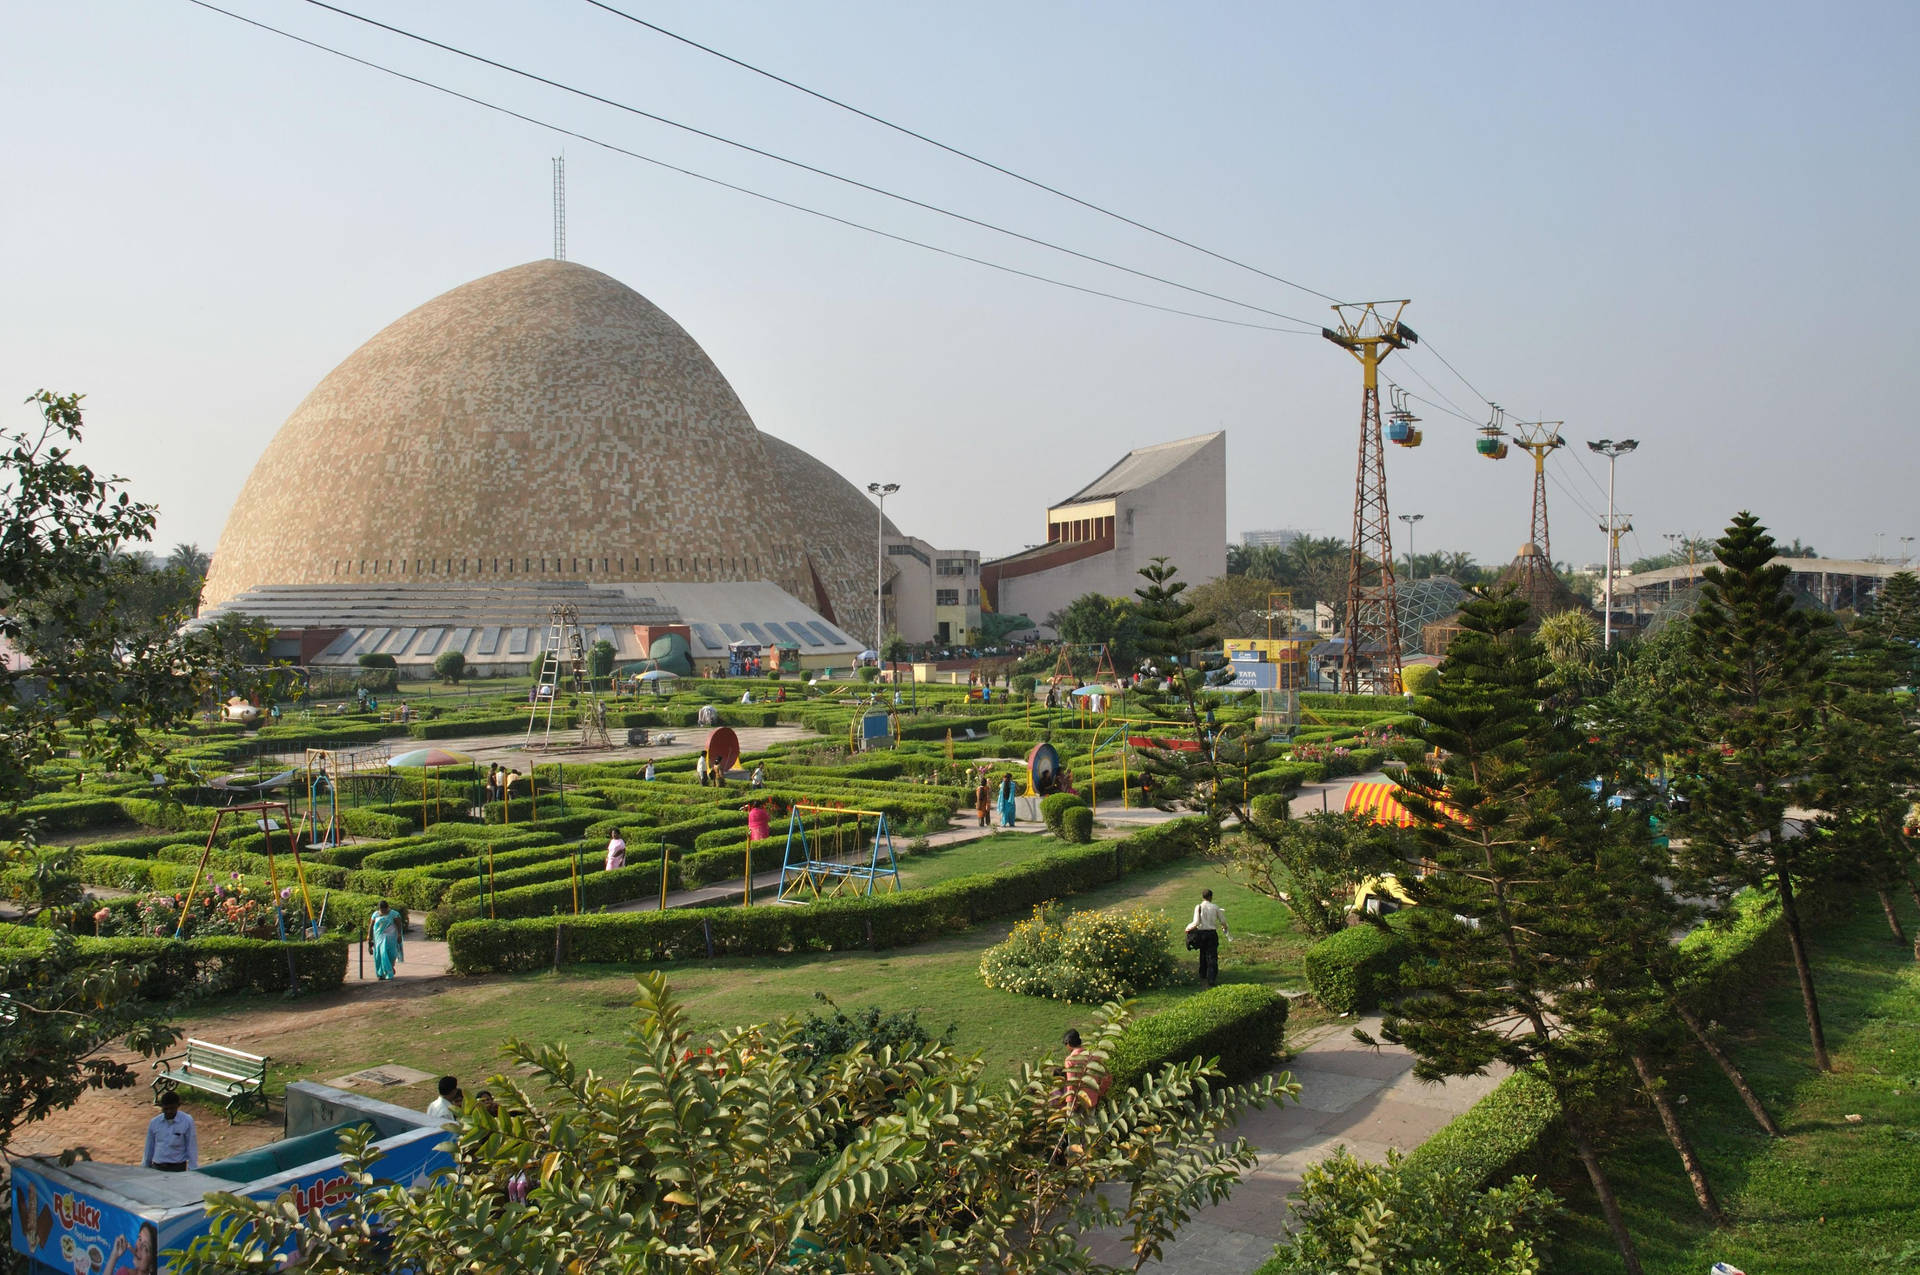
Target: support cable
744, 190
802, 165
954, 150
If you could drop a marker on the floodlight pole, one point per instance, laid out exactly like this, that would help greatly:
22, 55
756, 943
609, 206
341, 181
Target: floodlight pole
1612, 451
880, 492
1410, 519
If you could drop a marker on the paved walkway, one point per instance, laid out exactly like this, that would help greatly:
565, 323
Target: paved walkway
1365, 1099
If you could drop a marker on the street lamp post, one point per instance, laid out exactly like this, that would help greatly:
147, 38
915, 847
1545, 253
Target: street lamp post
1410, 519
1612, 451
880, 492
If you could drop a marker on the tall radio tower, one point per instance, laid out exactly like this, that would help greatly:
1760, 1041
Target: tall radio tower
559, 207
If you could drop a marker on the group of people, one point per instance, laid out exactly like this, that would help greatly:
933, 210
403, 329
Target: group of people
501, 782
447, 1106
987, 794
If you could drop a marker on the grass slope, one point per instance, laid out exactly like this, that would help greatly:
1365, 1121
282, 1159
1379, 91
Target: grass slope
1835, 1195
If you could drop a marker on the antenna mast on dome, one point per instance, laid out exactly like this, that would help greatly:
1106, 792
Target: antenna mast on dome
559, 207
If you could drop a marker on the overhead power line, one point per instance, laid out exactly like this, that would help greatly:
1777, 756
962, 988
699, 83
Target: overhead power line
744, 190
802, 165
956, 151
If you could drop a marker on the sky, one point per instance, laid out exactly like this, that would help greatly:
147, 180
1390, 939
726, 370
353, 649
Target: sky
1687, 224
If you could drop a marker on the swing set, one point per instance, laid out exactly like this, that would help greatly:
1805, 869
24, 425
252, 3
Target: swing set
837, 859
261, 810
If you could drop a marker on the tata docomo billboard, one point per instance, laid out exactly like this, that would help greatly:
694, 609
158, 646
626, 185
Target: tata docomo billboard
93, 1218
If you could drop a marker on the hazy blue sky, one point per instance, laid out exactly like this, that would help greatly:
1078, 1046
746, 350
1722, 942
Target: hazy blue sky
1685, 223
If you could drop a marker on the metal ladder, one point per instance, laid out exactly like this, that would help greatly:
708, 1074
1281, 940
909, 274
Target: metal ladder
561, 620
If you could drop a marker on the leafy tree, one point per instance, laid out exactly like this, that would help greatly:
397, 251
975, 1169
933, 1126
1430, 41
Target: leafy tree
1502, 821
1378, 1219
600, 658
722, 1156
58, 1014
893, 650
1744, 720
449, 666
1313, 863
1895, 621
1233, 605
1094, 619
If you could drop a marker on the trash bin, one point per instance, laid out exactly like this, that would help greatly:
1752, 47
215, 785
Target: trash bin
637, 736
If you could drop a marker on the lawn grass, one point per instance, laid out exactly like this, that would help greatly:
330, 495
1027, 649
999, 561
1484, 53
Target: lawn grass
458, 1029
1835, 1195
935, 864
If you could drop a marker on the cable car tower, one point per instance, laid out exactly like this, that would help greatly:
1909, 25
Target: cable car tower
1370, 333
1540, 439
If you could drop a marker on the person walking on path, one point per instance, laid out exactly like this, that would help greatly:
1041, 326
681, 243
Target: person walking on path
981, 806
616, 853
1203, 935
173, 1144
649, 770
1006, 802
384, 940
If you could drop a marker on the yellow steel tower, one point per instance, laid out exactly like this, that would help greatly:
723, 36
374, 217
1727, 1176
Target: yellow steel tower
1540, 439
1369, 333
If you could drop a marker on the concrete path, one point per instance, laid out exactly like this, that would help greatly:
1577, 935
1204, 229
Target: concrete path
1350, 1095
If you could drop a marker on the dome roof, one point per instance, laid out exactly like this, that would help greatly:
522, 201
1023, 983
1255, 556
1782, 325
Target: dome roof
545, 422
837, 522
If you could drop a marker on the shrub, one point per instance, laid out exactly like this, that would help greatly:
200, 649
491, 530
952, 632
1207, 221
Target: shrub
1023, 683
1348, 1214
1270, 808
373, 660
1076, 825
1054, 805
1509, 1131
868, 673
1415, 678
1081, 956
822, 1037
449, 665
1356, 968
1241, 1024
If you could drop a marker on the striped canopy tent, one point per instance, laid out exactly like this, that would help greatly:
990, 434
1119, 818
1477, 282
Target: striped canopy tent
1379, 802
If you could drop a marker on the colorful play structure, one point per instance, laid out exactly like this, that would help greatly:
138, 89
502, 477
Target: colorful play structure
835, 859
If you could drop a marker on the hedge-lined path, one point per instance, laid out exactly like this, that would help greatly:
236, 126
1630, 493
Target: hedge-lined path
1367, 1100
506, 749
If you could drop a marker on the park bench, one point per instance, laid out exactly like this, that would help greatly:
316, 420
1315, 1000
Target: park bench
240, 1078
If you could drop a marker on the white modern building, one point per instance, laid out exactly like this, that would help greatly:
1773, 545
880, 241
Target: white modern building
932, 595
1165, 501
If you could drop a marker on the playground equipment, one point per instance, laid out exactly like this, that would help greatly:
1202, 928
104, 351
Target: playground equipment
836, 860
1066, 666
1044, 772
564, 660
722, 750
262, 812
323, 793
873, 730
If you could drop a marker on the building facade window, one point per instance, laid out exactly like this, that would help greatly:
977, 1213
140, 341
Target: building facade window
946, 597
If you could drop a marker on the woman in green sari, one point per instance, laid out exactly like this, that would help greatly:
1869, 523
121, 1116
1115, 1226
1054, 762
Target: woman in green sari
384, 940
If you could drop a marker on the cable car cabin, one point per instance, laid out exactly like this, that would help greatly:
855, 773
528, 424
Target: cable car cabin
1490, 446
1403, 433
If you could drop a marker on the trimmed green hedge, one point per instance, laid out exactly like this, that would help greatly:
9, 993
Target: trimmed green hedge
1507, 1132
1054, 805
1357, 968
1076, 825
1241, 1024
833, 925
217, 963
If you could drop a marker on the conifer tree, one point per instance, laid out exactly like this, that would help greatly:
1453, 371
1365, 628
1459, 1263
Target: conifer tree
1504, 825
1744, 717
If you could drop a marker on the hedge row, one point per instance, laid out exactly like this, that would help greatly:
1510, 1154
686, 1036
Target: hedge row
844, 924
1241, 1024
217, 963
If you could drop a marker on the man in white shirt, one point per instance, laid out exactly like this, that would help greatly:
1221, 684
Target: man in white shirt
1208, 924
446, 1108
173, 1144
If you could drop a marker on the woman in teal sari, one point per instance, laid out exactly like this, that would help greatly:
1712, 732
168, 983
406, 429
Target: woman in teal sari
384, 940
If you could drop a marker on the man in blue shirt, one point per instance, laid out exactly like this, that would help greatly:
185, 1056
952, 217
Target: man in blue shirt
173, 1145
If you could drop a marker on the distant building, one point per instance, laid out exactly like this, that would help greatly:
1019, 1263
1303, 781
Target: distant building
1278, 539
1166, 501
933, 595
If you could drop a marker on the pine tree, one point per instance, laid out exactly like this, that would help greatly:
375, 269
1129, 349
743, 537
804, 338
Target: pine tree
1745, 716
1504, 825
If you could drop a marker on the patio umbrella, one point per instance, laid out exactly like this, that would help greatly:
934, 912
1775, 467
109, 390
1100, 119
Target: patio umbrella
429, 759
869, 655
657, 676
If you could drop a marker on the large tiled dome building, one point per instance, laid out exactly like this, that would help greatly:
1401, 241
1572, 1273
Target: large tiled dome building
541, 433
